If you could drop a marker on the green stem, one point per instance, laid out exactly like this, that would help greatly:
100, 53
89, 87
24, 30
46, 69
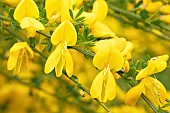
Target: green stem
44, 34
88, 92
5, 18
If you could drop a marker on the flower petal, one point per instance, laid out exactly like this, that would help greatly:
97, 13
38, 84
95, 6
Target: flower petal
142, 73
96, 87
69, 63
110, 90
26, 8
27, 22
101, 30
100, 9
134, 93
119, 43
12, 60
53, 59
60, 66
108, 56
18, 46
65, 32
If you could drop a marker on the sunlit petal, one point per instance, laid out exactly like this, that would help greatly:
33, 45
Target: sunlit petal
26, 8
100, 9
60, 66
18, 46
65, 32
110, 86
108, 56
134, 93
12, 60
69, 63
101, 30
96, 87
53, 59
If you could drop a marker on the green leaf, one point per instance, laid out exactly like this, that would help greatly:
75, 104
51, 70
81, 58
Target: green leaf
49, 46
80, 12
71, 13
2, 26
80, 19
140, 64
144, 14
11, 13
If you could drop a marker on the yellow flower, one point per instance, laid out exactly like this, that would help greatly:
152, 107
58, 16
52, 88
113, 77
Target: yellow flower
57, 10
152, 88
12, 3
165, 18
153, 7
64, 35
100, 9
25, 13
20, 53
165, 9
26, 8
104, 86
31, 25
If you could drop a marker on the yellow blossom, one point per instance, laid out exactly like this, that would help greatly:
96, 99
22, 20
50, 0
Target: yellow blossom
104, 86
20, 53
25, 13
12, 3
100, 9
31, 25
57, 10
165, 9
63, 36
165, 18
26, 8
153, 7
152, 88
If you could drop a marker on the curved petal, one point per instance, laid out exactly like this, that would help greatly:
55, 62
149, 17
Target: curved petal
69, 63
30, 52
90, 18
108, 56
99, 29
142, 73
53, 59
12, 60
110, 90
26, 8
119, 43
134, 93
18, 46
100, 9
60, 66
128, 48
65, 32
96, 87
27, 22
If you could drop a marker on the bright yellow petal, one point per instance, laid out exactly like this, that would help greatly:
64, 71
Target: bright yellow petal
126, 66
163, 57
96, 87
60, 66
52, 8
101, 30
153, 7
65, 32
158, 89
26, 8
17, 68
12, 60
18, 46
142, 73
108, 56
119, 43
90, 18
69, 63
27, 22
129, 47
134, 93
30, 52
100, 9
65, 15
110, 86
53, 59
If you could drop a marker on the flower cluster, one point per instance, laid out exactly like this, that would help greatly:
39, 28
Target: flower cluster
110, 54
